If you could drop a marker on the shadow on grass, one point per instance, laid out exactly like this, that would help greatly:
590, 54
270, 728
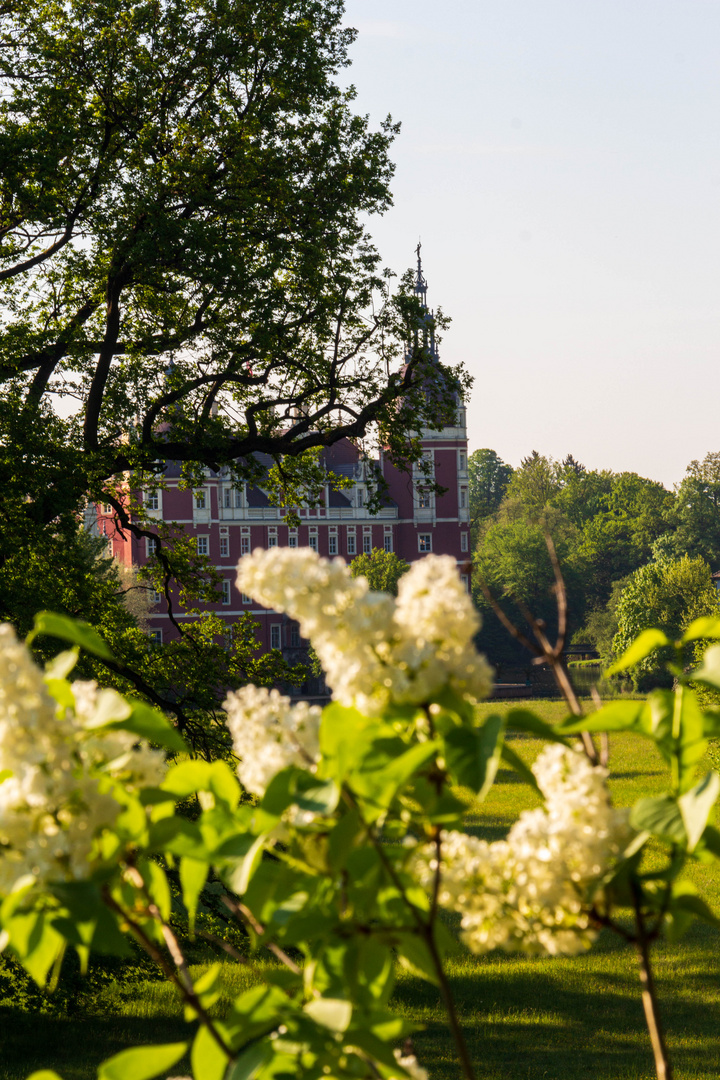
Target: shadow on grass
528, 1019
508, 776
635, 775
489, 831
75, 1047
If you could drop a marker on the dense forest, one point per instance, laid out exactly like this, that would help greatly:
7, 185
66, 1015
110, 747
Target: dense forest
633, 554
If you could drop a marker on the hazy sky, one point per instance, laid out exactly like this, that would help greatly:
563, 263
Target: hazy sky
560, 160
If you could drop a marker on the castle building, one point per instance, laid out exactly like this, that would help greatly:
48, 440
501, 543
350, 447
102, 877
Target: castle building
228, 520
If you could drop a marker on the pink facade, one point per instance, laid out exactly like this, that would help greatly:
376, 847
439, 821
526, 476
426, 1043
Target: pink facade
227, 522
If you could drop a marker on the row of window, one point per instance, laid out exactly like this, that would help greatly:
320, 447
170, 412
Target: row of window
203, 543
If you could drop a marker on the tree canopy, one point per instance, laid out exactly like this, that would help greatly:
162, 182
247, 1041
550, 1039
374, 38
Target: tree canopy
383, 570
183, 256
604, 525
488, 477
668, 594
186, 274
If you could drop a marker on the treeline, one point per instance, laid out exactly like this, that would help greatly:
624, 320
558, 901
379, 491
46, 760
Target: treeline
633, 554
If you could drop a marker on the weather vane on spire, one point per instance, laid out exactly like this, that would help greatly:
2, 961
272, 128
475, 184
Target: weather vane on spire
420, 282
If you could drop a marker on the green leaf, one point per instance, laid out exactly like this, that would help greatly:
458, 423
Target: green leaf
378, 786
660, 816
157, 886
61, 665
208, 1061
152, 725
615, 716
187, 778
223, 783
515, 762
473, 754
342, 839
257, 1012
44, 1074
240, 877
709, 671
345, 735
645, 644
332, 1013
207, 990
293, 786
193, 875
688, 739
250, 1061
86, 910
35, 942
73, 630
707, 626
142, 1062
414, 955
179, 837
695, 806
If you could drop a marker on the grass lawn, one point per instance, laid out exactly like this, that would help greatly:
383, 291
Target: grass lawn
524, 1018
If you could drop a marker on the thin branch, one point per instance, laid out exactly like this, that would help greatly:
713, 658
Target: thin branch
542, 649
245, 915
156, 954
663, 1066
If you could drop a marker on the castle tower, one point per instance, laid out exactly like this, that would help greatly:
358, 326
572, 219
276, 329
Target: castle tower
440, 523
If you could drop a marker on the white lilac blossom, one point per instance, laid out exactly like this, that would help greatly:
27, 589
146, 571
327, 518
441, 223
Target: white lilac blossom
410, 1064
57, 771
532, 891
376, 650
269, 733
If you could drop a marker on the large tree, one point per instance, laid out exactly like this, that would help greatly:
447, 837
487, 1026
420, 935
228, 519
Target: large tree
669, 594
183, 258
695, 514
489, 477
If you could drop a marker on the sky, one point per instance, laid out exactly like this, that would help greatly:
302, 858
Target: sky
560, 161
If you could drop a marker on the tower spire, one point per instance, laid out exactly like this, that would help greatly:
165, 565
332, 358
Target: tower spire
420, 282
